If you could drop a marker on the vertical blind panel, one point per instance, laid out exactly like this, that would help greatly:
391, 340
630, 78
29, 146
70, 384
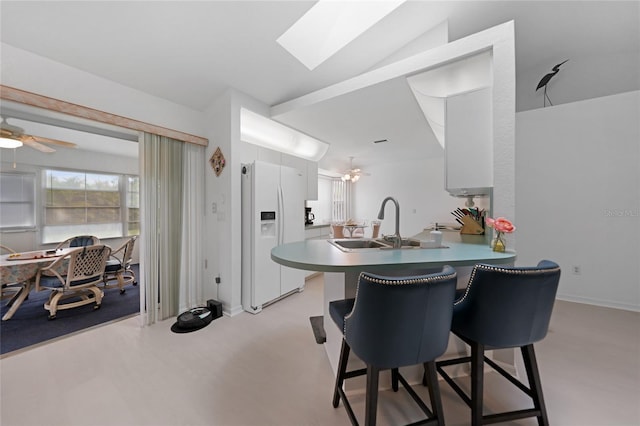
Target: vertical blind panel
162, 178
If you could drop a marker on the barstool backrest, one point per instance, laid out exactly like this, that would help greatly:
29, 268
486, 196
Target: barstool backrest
507, 306
398, 321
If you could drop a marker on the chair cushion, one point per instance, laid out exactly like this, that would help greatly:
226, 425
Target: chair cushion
113, 265
50, 282
338, 309
81, 241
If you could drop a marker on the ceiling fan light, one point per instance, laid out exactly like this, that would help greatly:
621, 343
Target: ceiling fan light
355, 178
9, 143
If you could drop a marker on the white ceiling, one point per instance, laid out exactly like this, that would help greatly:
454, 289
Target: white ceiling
190, 52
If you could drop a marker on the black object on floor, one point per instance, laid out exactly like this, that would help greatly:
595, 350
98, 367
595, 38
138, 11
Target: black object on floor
215, 307
30, 324
192, 320
317, 325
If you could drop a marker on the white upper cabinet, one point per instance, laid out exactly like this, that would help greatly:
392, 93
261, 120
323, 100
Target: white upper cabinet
469, 143
310, 171
456, 99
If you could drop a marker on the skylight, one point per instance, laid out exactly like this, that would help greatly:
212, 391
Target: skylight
330, 25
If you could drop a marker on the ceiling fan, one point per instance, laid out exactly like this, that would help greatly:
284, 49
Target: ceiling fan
353, 174
14, 137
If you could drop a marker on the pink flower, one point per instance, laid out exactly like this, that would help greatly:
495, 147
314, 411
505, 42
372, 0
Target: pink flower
501, 225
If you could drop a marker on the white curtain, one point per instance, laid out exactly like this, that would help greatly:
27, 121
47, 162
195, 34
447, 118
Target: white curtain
172, 191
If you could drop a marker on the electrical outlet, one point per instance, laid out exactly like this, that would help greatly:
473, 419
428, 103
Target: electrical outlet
576, 269
214, 208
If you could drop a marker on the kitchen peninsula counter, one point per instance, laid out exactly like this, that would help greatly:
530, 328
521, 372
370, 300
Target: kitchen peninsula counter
319, 255
342, 269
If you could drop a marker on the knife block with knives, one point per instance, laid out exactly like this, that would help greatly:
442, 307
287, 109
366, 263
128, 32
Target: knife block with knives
472, 220
471, 226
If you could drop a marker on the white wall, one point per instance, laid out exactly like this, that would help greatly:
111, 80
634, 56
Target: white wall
224, 228
583, 77
26, 71
216, 192
417, 185
578, 196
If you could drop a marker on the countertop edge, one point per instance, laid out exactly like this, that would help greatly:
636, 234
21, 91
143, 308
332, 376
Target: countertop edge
398, 266
349, 263
321, 225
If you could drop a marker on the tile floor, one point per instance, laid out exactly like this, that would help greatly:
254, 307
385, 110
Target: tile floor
266, 369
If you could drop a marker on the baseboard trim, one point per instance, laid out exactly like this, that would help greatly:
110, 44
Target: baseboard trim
598, 302
233, 311
313, 275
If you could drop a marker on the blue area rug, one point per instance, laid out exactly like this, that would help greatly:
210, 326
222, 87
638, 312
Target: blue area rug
30, 324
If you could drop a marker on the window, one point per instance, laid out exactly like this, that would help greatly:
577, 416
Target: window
133, 205
339, 201
17, 200
78, 203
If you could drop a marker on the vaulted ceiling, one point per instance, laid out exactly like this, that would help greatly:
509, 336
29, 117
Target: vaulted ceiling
190, 52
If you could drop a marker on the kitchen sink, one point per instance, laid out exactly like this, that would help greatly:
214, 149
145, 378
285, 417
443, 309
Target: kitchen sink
350, 245
361, 243
407, 243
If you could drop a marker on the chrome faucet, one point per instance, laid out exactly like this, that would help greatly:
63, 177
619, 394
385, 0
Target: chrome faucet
397, 240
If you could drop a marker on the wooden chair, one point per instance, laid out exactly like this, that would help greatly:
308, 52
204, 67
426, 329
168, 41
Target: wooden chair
118, 267
15, 292
338, 231
375, 228
77, 241
85, 271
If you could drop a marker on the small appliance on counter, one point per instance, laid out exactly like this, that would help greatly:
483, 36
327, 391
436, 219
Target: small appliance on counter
308, 216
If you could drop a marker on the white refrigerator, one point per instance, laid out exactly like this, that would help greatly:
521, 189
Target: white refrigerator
272, 214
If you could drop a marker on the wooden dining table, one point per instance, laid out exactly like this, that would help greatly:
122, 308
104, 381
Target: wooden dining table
20, 269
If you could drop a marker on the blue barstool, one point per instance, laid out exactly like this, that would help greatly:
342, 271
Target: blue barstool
504, 308
395, 322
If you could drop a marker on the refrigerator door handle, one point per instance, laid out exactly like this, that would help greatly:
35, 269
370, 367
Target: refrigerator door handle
280, 216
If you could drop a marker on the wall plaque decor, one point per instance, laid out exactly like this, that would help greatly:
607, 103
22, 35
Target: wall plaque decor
217, 161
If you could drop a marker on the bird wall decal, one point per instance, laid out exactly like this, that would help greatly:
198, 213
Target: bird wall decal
545, 80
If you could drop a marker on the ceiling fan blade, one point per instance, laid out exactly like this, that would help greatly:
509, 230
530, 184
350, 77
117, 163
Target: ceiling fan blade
6, 133
30, 142
51, 141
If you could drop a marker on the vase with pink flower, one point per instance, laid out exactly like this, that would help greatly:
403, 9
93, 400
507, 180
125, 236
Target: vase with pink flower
502, 226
